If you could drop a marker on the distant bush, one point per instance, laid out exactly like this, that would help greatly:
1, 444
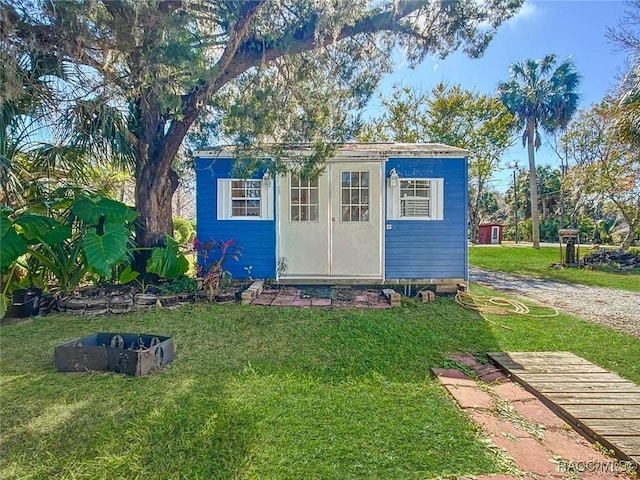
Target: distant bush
183, 231
549, 230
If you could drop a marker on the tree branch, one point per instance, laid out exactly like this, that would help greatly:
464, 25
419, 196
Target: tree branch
192, 103
253, 52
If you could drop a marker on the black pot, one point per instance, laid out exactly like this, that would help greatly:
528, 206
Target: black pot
26, 303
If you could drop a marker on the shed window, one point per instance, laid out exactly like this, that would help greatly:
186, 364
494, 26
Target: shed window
415, 199
355, 196
240, 199
303, 200
245, 198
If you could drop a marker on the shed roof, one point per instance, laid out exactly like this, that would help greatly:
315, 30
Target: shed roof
355, 150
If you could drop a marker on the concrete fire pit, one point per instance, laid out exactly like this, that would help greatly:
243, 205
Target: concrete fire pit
135, 354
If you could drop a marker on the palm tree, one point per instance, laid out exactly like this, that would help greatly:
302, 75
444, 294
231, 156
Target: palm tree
628, 121
540, 96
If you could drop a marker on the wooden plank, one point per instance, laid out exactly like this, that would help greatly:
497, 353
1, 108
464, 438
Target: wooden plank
579, 387
540, 361
630, 412
613, 426
594, 398
556, 369
629, 445
601, 405
565, 377
535, 356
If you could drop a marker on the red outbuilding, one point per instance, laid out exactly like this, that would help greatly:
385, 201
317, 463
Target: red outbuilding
490, 233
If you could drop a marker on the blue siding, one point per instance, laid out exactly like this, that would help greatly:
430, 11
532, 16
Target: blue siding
256, 237
433, 248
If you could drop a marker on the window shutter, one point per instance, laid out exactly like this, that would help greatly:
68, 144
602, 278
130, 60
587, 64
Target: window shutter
224, 198
393, 200
266, 201
437, 199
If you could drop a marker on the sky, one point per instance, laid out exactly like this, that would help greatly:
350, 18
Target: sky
566, 28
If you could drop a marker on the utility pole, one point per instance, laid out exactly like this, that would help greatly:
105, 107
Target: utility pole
514, 165
564, 167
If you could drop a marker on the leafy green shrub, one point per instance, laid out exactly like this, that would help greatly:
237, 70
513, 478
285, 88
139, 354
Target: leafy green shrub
525, 229
92, 235
586, 229
107, 227
549, 230
183, 231
182, 284
168, 262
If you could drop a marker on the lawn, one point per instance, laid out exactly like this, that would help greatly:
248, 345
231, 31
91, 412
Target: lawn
268, 393
535, 263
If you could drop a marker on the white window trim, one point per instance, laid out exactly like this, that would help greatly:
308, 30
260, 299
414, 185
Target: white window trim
224, 200
436, 199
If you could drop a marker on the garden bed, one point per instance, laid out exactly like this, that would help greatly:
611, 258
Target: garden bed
118, 299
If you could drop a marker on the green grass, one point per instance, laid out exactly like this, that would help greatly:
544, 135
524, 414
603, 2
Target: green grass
268, 393
530, 262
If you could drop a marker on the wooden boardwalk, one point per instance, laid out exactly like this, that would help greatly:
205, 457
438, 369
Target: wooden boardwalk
601, 405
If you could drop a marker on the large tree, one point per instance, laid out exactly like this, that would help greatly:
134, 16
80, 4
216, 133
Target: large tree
627, 94
454, 116
608, 163
250, 71
541, 96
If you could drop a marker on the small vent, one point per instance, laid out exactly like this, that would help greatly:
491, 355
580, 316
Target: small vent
414, 207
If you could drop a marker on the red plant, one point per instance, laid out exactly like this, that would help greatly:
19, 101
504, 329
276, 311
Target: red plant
212, 256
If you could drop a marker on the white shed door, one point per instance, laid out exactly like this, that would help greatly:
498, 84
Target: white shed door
356, 206
495, 234
303, 217
332, 227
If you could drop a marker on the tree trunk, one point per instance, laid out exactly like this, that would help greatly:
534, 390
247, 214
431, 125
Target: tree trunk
533, 183
628, 240
633, 225
475, 211
155, 184
473, 220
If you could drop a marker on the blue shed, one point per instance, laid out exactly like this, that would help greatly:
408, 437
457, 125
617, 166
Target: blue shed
381, 213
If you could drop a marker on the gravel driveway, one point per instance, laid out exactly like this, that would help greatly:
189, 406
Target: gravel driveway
616, 309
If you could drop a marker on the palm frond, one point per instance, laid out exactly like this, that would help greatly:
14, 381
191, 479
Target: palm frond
538, 90
100, 129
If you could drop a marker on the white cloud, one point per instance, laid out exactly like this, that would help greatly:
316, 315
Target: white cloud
526, 12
